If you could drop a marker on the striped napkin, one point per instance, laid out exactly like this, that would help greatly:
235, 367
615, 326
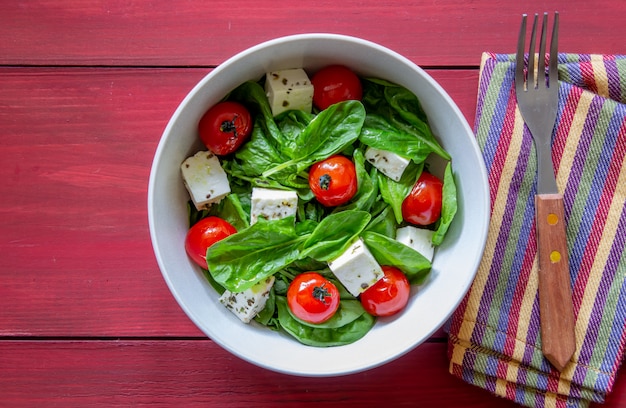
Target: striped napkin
494, 336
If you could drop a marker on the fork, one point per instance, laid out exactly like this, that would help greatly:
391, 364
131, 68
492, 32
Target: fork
537, 98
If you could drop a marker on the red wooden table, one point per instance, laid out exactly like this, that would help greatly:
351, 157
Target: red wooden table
86, 89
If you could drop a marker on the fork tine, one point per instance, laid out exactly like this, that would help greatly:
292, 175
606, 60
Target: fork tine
531, 56
553, 71
541, 68
519, 60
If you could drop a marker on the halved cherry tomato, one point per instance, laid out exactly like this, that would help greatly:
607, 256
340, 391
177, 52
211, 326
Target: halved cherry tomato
312, 298
203, 234
423, 204
333, 84
389, 295
333, 181
224, 127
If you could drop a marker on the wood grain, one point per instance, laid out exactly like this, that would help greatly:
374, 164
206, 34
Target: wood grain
77, 146
556, 310
201, 33
130, 373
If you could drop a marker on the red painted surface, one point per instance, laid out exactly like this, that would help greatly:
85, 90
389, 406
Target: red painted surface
179, 32
87, 88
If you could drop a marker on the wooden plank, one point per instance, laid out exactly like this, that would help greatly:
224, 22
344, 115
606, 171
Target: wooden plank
76, 153
200, 33
77, 147
130, 373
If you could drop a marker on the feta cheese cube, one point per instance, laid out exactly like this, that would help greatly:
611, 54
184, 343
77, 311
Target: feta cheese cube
272, 204
289, 89
205, 179
247, 304
417, 238
390, 164
356, 268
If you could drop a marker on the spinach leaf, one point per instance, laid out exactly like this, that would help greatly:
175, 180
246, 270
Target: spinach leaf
349, 310
388, 251
306, 227
384, 223
309, 264
333, 234
266, 314
291, 123
242, 259
193, 215
401, 110
408, 107
259, 153
311, 210
332, 130
448, 206
379, 133
218, 288
231, 209
394, 192
319, 336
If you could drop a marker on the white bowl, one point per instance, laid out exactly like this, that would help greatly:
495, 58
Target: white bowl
456, 260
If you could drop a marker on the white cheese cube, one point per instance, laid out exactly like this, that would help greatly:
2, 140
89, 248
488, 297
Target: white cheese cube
356, 268
388, 163
247, 304
272, 204
289, 89
205, 179
417, 238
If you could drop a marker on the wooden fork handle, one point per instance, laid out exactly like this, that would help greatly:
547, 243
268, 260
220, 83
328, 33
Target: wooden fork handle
555, 292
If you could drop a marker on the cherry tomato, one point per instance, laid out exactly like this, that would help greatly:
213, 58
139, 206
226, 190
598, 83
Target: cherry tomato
423, 204
312, 298
333, 181
334, 84
389, 295
224, 127
203, 234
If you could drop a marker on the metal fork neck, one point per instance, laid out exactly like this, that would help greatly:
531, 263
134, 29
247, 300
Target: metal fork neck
546, 181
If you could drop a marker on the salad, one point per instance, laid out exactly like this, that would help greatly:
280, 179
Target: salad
312, 211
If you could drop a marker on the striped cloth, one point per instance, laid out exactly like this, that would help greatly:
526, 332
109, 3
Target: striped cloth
494, 337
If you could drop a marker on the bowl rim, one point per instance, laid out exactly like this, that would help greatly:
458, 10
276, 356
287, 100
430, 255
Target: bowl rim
160, 151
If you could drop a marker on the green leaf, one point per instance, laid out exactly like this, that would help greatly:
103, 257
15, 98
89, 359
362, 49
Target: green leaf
448, 206
259, 153
384, 223
408, 107
193, 214
388, 251
231, 210
218, 288
401, 110
349, 310
379, 133
292, 123
334, 234
394, 192
306, 227
321, 336
331, 131
266, 314
243, 259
